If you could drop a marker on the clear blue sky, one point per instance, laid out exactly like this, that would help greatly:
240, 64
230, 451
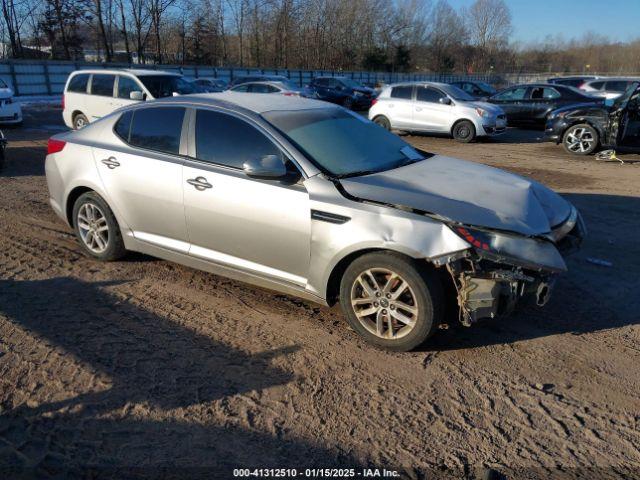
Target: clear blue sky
534, 19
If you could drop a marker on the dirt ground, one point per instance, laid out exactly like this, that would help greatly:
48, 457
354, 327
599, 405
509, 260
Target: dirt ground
146, 369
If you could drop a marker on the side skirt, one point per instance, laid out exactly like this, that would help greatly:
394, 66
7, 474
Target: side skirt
136, 245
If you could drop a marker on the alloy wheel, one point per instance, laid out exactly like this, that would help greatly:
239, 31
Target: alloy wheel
580, 140
384, 303
93, 227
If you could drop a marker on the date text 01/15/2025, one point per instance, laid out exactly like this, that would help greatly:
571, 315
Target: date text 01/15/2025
315, 473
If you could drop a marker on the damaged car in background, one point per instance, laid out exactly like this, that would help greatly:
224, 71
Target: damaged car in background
312, 200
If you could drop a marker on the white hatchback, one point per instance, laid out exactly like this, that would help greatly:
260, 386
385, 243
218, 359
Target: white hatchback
436, 108
92, 94
10, 111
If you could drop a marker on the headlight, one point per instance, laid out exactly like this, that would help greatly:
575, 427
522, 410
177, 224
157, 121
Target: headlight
515, 250
482, 112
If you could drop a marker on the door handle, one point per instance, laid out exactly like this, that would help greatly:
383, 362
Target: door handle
111, 162
200, 183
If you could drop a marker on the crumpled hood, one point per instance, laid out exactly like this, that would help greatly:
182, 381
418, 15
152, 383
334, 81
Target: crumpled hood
466, 192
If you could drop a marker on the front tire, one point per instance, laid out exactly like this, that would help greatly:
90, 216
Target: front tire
581, 139
464, 131
391, 300
97, 228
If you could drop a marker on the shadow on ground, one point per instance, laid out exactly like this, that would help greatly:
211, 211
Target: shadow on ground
155, 368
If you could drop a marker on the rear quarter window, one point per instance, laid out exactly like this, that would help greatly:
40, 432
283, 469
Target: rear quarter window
123, 126
78, 83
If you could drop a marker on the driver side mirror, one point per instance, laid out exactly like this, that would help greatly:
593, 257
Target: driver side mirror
137, 95
267, 167
445, 100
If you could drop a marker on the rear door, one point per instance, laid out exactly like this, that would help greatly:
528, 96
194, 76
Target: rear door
398, 108
258, 226
143, 176
428, 113
100, 102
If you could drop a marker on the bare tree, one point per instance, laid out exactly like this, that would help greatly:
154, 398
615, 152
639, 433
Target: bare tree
489, 25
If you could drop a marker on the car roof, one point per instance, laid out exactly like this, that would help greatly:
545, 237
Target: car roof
248, 101
417, 82
138, 72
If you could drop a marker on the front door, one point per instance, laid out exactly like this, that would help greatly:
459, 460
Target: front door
429, 114
512, 101
630, 123
259, 226
143, 177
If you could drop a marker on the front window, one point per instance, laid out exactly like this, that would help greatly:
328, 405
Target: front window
166, 85
341, 143
512, 94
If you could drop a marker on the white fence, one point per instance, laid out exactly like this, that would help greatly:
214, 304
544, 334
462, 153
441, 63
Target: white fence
40, 77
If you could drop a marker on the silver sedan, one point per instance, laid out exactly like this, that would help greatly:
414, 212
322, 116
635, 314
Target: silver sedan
312, 200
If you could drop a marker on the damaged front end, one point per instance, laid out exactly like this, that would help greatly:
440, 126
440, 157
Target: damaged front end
501, 270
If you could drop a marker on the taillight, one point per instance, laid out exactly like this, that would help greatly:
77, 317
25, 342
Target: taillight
55, 146
62, 103
374, 101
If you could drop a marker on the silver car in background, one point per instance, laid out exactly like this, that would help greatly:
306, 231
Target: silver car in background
430, 107
310, 199
286, 88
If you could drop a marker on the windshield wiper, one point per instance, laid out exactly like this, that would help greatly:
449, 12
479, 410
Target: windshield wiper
357, 173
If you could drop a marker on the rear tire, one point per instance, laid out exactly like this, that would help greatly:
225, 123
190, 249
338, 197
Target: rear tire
464, 131
97, 228
581, 139
391, 300
382, 121
80, 121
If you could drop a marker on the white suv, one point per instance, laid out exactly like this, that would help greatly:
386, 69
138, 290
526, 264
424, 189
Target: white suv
436, 108
91, 94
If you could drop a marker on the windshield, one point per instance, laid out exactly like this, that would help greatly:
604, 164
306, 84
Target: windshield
351, 83
457, 93
165, 85
342, 143
485, 87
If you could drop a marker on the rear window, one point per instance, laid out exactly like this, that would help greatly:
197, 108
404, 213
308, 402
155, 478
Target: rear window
102, 85
402, 92
78, 83
157, 129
